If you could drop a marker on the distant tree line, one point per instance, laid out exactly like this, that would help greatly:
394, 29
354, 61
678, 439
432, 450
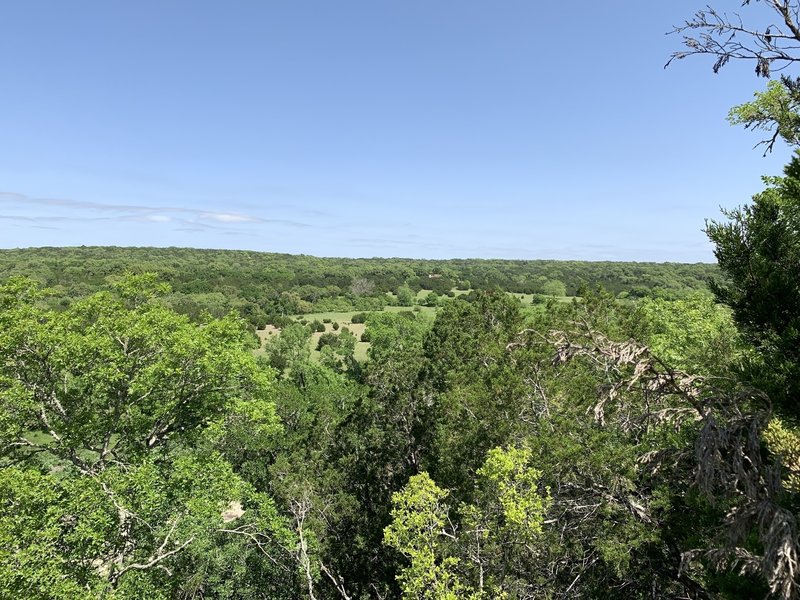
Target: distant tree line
265, 287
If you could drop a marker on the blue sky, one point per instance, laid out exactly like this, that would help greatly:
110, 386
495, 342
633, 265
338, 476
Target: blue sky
417, 128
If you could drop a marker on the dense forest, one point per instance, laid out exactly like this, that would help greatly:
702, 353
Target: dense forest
514, 429
265, 287
493, 445
488, 452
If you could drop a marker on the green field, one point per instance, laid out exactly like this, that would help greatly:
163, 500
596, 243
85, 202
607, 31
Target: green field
344, 319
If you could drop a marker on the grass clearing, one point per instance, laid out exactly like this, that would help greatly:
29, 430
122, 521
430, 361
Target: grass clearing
528, 298
425, 311
340, 317
268, 332
344, 319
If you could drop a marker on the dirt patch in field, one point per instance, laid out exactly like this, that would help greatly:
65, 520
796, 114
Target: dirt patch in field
268, 332
355, 328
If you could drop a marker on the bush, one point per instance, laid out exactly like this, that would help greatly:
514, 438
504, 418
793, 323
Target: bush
280, 321
335, 326
326, 320
371, 303
431, 299
554, 287
328, 339
405, 297
317, 326
359, 317
365, 337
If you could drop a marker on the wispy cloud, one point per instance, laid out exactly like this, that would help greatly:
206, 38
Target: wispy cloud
229, 218
239, 233
50, 218
31, 201
23, 208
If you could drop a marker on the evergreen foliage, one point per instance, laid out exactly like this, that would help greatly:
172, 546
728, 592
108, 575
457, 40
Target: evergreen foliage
758, 250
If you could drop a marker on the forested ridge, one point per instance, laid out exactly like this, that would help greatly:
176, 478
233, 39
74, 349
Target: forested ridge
515, 429
475, 455
262, 286
494, 445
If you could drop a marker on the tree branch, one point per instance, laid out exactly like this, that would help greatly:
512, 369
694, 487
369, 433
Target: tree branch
719, 36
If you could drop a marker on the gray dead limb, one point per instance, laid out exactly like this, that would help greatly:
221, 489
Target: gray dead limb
725, 37
639, 392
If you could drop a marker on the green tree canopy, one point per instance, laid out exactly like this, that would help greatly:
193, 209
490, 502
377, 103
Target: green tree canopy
758, 250
112, 414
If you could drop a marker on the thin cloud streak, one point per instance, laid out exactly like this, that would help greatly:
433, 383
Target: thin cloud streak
56, 219
229, 218
142, 211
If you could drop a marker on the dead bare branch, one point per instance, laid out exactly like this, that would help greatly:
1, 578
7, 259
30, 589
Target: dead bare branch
642, 392
725, 37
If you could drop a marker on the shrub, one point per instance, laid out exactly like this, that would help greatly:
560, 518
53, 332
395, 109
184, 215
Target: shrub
328, 339
431, 299
359, 317
280, 321
405, 297
554, 287
335, 326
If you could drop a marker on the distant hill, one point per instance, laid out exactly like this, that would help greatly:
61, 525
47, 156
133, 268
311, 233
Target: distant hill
261, 285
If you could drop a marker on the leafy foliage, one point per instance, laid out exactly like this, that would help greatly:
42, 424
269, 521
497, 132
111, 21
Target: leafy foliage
694, 334
491, 453
111, 411
758, 250
265, 288
775, 110
508, 515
